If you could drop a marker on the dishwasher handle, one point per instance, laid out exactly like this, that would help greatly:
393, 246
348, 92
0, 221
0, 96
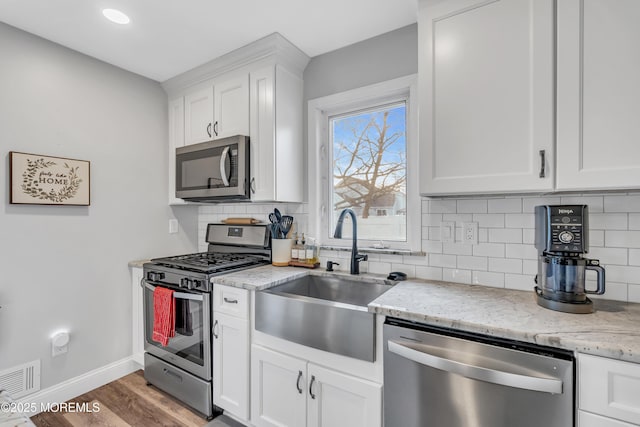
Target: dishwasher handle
546, 385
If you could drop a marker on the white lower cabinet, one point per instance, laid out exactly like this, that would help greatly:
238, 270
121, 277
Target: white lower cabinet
608, 392
231, 352
287, 391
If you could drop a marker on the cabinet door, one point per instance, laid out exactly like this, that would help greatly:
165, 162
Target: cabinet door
231, 112
486, 79
337, 400
198, 116
263, 133
176, 139
278, 392
598, 94
231, 364
586, 419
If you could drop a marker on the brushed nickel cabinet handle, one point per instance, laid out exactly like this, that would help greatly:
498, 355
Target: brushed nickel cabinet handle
209, 130
542, 164
215, 128
213, 330
230, 301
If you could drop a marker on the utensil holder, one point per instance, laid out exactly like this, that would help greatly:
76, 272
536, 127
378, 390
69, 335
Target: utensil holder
281, 252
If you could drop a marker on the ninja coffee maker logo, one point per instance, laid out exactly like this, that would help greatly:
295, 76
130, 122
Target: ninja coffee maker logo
565, 211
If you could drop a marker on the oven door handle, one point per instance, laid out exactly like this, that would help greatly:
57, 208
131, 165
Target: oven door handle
181, 295
546, 385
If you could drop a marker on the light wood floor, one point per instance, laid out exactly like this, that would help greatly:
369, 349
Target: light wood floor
128, 401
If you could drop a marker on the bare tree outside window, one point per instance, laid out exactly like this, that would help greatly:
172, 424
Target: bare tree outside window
370, 170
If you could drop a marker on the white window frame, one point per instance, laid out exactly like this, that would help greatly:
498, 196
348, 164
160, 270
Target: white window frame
319, 111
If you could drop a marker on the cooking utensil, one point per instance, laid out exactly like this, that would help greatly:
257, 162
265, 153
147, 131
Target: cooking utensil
277, 213
241, 221
286, 221
275, 226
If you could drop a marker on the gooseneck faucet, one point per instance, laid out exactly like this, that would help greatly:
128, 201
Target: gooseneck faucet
355, 257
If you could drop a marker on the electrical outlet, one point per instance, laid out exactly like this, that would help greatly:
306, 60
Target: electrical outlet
470, 233
447, 231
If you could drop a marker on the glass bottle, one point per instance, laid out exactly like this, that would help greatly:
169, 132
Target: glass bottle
295, 253
311, 252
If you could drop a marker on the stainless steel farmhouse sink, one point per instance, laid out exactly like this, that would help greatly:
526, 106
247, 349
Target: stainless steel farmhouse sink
327, 313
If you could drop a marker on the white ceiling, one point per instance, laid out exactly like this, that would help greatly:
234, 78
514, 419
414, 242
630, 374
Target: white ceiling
168, 37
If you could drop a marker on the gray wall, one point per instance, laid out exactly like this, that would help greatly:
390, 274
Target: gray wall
66, 267
385, 57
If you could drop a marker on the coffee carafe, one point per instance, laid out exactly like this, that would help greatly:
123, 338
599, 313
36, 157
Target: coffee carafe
562, 236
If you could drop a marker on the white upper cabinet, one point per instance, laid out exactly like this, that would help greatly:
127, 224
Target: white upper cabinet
598, 94
257, 91
218, 111
276, 135
198, 116
486, 96
176, 139
231, 101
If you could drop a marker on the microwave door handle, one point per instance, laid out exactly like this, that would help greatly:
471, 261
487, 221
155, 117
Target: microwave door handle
548, 385
181, 295
223, 168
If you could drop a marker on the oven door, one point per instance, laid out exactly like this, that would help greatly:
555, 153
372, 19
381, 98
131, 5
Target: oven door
214, 169
190, 348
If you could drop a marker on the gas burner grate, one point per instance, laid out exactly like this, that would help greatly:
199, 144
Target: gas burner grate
211, 261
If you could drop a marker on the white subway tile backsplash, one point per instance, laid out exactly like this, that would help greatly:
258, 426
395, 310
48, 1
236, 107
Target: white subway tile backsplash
617, 256
530, 267
431, 220
483, 235
528, 236
596, 238
519, 220
596, 203
634, 221
521, 282
622, 239
489, 249
505, 265
529, 203
472, 263
623, 274
429, 273
525, 251
456, 275
442, 206
458, 218
440, 260
379, 267
489, 220
434, 233
633, 293
619, 203
613, 290
505, 205
432, 246
472, 206
608, 221
487, 278
456, 248
634, 256
412, 260
505, 235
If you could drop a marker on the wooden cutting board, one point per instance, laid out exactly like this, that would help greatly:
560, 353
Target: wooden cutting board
241, 221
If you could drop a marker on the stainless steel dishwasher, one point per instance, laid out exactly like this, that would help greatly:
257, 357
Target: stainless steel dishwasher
438, 377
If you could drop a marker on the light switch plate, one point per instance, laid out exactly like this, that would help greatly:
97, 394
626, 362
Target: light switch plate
448, 231
173, 226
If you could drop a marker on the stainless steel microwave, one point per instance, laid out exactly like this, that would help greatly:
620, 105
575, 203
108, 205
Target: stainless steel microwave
214, 170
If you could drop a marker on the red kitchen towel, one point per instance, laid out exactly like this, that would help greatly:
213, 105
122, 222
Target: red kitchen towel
164, 315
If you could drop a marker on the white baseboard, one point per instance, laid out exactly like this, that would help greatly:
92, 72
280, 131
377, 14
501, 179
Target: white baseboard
81, 384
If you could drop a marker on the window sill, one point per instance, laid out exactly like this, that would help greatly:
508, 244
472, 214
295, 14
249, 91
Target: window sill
366, 250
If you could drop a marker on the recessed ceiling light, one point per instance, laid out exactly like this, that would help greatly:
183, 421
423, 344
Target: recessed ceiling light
116, 16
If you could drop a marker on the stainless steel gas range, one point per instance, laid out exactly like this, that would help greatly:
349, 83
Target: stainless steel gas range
183, 368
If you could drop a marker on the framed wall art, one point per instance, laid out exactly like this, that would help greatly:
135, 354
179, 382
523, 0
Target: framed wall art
45, 180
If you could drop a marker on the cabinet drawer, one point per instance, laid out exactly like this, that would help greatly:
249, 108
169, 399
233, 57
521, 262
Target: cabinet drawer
231, 301
586, 419
609, 387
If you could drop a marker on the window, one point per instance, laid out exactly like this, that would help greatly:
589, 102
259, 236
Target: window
363, 155
369, 170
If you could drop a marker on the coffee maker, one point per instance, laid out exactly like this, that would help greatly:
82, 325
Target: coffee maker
562, 236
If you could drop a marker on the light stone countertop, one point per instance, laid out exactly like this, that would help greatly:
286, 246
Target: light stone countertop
137, 263
612, 331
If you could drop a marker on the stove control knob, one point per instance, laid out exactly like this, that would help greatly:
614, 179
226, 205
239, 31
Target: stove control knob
154, 276
185, 283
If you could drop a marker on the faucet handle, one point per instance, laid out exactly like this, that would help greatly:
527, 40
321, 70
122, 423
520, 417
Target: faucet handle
330, 265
